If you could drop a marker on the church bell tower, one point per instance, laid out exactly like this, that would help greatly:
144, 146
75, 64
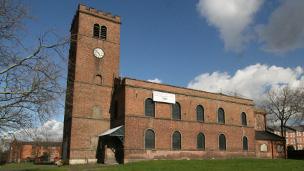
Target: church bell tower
92, 70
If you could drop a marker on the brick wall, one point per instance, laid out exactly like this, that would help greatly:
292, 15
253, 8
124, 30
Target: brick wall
273, 151
24, 151
136, 123
260, 120
90, 84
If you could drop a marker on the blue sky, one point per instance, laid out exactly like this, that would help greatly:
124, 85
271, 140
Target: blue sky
188, 43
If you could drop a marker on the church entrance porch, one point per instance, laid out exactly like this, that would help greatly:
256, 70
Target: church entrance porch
110, 146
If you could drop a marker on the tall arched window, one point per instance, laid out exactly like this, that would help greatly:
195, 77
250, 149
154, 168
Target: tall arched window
245, 143
176, 141
149, 107
149, 139
200, 141
200, 113
176, 111
222, 142
103, 32
96, 30
244, 119
221, 116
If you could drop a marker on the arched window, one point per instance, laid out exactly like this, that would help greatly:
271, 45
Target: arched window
149, 139
222, 142
103, 32
200, 141
200, 113
176, 111
176, 141
244, 119
98, 79
96, 30
149, 107
245, 143
221, 116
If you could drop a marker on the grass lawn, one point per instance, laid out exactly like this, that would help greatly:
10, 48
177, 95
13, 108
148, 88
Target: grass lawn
177, 165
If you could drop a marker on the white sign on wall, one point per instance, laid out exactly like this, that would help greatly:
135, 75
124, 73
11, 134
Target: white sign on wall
163, 97
263, 148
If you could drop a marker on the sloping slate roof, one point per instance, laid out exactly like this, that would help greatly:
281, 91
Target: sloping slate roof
299, 128
117, 131
266, 135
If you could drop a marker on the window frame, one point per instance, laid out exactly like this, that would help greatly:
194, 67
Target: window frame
145, 107
218, 116
244, 119
224, 148
103, 32
100, 31
145, 139
96, 29
245, 145
203, 141
197, 114
179, 143
173, 111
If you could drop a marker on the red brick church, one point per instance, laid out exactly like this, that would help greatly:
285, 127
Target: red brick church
112, 119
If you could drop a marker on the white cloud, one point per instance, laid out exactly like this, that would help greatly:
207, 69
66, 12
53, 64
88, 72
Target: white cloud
54, 128
155, 80
232, 18
285, 29
50, 131
251, 81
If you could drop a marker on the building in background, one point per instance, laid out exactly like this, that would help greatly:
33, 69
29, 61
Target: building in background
294, 137
32, 151
112, 119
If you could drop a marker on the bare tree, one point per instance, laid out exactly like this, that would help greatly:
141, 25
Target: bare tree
29, 77
285, 106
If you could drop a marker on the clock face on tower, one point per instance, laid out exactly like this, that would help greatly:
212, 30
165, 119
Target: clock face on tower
98, 53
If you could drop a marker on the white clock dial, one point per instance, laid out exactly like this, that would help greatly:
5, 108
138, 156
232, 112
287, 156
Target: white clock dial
98, 53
